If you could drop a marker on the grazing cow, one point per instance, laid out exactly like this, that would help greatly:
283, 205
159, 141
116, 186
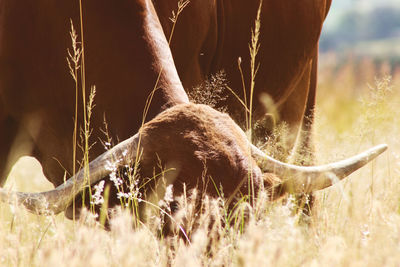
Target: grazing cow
127, 56
194, 142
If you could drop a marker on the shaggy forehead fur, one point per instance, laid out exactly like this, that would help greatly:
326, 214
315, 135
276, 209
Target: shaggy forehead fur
198, 142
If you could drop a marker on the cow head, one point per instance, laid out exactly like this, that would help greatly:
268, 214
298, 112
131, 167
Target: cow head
196, 141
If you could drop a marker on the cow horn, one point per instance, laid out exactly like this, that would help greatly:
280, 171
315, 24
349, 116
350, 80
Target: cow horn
58, 199
305, 179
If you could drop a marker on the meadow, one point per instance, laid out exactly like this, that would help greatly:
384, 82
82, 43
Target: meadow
354, 223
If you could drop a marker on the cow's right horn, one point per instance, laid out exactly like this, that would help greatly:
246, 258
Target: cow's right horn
305, 179
58, 199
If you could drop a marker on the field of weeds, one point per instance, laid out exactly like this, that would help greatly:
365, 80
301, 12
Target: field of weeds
354, 223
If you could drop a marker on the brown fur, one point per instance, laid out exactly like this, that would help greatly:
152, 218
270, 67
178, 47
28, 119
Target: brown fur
199, 142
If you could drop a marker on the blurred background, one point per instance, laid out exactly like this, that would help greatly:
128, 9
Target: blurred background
364, 34
364, 27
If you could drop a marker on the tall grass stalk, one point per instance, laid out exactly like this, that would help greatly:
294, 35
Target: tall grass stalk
73, 60
76, 64
254, 47
86, 121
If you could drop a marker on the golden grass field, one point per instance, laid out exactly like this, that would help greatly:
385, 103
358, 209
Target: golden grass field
354, 223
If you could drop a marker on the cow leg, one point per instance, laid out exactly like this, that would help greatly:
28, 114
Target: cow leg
303, 150
297, 114
8, 155
304, 142
303, 147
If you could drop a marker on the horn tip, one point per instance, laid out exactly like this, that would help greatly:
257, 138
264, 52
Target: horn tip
379, 149
376, 151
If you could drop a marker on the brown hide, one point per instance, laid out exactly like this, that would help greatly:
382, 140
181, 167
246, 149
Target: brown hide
125, 50
196, 142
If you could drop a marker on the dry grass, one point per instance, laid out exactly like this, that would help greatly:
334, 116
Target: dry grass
356, 222
211, 92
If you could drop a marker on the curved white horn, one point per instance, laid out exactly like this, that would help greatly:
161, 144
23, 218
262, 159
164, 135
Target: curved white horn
58, 199
305, 179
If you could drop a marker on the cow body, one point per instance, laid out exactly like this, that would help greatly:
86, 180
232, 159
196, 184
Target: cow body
126, 49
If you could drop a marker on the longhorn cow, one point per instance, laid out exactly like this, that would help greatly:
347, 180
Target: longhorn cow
127, 55
190, 138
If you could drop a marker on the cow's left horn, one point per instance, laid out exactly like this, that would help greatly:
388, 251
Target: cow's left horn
58, 199
305, 179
